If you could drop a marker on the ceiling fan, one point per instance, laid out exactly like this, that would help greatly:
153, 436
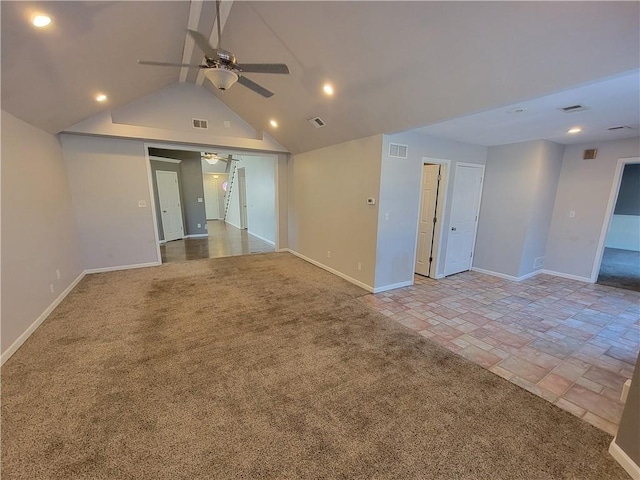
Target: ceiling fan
221, 66
212, 158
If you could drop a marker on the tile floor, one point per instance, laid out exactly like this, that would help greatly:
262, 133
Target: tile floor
571, 343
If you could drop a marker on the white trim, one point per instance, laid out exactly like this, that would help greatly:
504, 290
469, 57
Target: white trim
505, 276
195, 235
330, 270
90, 271
440, 213
613, 197
43, 316
384, 288
567, 275
154, 213
623, 459
232, 224
163, 159
273, 244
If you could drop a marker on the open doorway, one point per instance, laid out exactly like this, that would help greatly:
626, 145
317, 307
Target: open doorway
619, 252
207, 202
433, 192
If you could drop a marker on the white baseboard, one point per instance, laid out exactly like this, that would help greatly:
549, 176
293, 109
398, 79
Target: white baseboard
384, 288
273, 244
43, 316
505, 276
360, 284
233, 224
122, 267
567, 275
623, 459
197, 235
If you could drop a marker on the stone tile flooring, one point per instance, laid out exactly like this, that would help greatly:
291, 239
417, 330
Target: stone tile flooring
569, 342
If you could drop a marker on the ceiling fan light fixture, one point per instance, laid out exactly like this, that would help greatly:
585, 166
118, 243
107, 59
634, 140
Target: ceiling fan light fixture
40, 20
221, 77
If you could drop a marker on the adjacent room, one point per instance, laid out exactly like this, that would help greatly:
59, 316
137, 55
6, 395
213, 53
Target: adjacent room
392, 240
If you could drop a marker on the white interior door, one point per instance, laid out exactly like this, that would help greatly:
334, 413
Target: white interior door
467, 190
426, 224
169, 200
242, 195
211, 206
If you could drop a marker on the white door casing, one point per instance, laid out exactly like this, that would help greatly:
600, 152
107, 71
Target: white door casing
426, 224
169, 200
465, 207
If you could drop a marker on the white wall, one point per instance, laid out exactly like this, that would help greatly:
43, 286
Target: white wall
400, 198
584, 188
260, 177
517, 204
39, 234
108, 177
328, 210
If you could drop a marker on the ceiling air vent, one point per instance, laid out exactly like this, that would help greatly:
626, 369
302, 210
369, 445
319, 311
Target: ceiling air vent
619, 127
316, 122
590, 154
574, 108
397, 151
198, 123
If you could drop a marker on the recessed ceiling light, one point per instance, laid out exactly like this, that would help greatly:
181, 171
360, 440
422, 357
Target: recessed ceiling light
575, 130
40, 20
328, 89
273, 123
101, 97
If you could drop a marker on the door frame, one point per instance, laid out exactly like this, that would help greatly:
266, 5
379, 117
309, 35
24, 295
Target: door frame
475, 227
613, 198
441, 199
242, 197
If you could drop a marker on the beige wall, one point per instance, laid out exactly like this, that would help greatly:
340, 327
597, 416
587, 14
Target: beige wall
328, 210
39, 233
108, 177
584, 187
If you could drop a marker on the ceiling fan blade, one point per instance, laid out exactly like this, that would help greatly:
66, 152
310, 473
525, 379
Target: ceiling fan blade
280, 68
169, 64
203, 43
251, 85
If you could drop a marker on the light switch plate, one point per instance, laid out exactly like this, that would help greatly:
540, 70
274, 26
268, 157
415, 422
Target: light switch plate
199, 200
142, 203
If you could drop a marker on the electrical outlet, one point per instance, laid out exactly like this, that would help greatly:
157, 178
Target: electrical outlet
51, 287
359, 266
58, 274
328, 253
572, 214
199, 225
199, 199
386, 216
142, 203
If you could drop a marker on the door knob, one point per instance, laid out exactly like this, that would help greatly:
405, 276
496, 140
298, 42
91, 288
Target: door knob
164, 211
453, 229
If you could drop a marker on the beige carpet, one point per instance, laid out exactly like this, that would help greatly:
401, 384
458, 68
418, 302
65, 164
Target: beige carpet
264, 366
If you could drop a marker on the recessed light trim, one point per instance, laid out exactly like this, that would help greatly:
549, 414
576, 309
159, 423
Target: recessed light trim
574, 130
101, 97
273, 123
328, 88
41, 20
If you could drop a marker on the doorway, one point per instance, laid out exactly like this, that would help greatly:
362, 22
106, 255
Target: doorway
618, 258
432, 199
463, 225
169, 200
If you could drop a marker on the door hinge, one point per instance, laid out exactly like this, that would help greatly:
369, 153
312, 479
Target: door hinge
435, 219
476, 218
471, 255
439, 177
430, 259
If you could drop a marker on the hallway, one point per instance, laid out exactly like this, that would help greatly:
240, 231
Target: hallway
224, 240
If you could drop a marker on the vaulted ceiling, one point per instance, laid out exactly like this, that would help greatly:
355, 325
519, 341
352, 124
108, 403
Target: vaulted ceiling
395, 65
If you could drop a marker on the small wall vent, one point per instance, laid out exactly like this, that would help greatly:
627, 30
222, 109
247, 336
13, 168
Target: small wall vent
398, 151
317, 122
199, 123
590, 154
574, 108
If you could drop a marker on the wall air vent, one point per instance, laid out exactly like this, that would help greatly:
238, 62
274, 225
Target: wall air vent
198, 123
590, 154
398, 151
574, 108
317, 122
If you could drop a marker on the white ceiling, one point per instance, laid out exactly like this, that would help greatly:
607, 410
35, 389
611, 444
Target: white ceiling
395, 65
612, 102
